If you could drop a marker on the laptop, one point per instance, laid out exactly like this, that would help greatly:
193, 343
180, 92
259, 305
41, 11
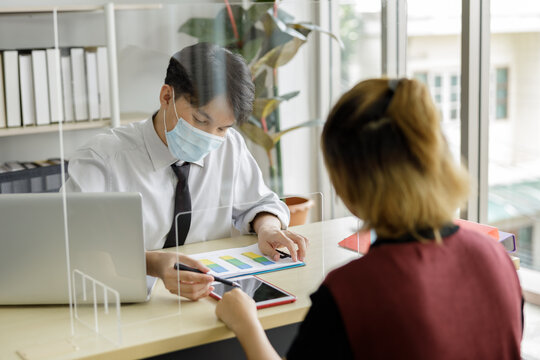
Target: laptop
106, 243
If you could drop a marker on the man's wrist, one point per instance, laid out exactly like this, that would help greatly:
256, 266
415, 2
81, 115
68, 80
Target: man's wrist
265, 221
268, 227
153, 263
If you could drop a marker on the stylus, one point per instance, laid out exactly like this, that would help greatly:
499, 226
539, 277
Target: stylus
179, 266
283, 254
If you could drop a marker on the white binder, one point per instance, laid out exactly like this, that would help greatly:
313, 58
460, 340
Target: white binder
12, 93
41, 87
28, 103
92, 84
55, 85
80, 98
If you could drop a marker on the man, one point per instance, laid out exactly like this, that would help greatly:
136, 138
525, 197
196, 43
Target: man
187, 159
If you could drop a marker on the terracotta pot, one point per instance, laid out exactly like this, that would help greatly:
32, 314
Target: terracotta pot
299, 208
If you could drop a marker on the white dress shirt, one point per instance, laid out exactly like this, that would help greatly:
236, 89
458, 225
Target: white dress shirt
226, 186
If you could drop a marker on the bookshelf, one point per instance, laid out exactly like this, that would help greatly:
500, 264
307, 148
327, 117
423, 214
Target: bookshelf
116, 118
75, 8
70, 126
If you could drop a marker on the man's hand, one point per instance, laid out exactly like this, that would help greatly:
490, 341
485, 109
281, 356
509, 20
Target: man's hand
271, 237
193, 285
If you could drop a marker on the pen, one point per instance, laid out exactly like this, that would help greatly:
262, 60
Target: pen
179, 266
283, 254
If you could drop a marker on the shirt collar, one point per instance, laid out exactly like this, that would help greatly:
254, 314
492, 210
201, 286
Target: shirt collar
159, 152
445, 231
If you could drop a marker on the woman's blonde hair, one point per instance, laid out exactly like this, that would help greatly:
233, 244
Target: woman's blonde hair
388, 159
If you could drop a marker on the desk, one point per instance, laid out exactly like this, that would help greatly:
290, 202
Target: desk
156, 327
39, 330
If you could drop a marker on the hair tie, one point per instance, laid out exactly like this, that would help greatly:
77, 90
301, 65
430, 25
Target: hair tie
393, 84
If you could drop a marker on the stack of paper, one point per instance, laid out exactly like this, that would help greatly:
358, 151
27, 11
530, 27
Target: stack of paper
360, 242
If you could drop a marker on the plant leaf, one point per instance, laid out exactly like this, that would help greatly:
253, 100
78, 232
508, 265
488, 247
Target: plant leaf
277, 136
312, 27
275, 39
200, 28
250, 49
257, 135
278, 56
255, 12
225, 25
282, 15
261, 90
262, 107
271, 24
218, 30
253, 120
289, 96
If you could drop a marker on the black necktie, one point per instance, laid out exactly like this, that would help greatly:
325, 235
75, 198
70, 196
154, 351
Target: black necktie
182, 204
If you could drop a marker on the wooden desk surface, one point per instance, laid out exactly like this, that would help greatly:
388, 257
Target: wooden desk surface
162, 325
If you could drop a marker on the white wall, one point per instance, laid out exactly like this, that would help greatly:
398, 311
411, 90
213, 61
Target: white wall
525, 77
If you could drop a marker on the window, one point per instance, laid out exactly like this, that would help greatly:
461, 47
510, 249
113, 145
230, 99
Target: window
434, 57
525, 246
514, 149
454, 96
501, 107
422, 77
360, 30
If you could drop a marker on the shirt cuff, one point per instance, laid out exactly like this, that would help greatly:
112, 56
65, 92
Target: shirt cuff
250, 215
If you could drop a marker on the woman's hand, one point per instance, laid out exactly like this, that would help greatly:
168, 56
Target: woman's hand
193, 286
238, 311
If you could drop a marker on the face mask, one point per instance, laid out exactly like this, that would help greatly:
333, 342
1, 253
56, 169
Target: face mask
188, 143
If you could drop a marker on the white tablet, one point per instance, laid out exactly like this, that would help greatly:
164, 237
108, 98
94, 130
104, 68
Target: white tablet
264, 293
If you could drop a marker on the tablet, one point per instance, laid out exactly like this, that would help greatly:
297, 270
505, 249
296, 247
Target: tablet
264, 293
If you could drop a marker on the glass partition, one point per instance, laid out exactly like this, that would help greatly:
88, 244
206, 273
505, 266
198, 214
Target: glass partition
359, 26
33, 250
112, 206
105, 281
279, 45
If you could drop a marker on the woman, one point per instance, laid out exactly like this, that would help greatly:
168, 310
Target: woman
427, 289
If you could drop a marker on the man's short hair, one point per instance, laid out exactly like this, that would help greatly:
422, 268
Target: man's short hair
204, 71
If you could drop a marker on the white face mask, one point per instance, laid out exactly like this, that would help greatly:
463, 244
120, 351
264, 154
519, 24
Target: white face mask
187, 143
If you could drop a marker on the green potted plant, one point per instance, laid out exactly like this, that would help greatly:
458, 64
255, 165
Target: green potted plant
268, 38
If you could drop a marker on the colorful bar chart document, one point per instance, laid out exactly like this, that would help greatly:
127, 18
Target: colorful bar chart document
213, 266
234, 261
242, 261
258, 258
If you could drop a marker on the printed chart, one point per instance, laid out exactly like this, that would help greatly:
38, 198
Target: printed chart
234, 261
213, 266
258, 258
242, 261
